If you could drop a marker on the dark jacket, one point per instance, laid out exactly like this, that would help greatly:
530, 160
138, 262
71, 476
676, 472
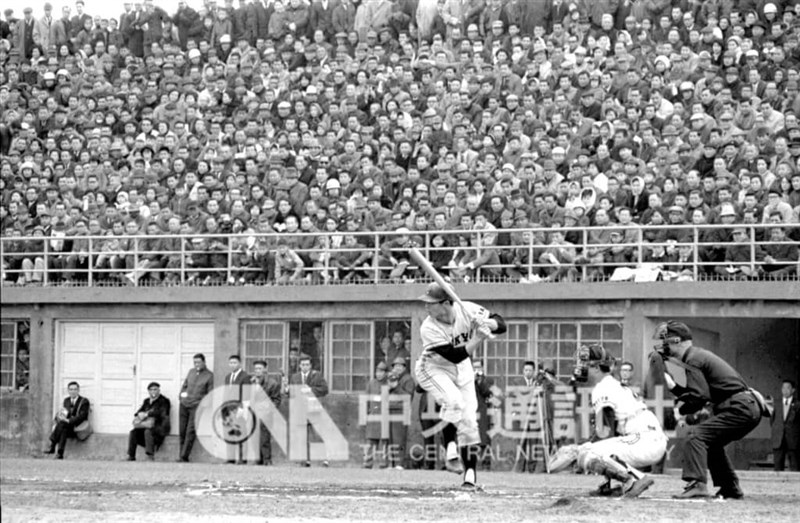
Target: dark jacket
196, 386
78, 413
159, 410
315, 381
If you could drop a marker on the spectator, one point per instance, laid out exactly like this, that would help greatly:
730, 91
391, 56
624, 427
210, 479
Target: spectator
400, 383
151, 423
74, 411
310, 384
272, 390
376, 445
199, 382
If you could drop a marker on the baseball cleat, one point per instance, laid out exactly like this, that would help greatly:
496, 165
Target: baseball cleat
467, 485
454, 465
695, 489
637, 487
606, 490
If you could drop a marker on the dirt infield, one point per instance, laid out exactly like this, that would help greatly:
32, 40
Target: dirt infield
102, 491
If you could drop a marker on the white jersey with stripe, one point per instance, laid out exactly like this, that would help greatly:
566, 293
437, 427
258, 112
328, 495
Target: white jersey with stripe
630, 412
436, 334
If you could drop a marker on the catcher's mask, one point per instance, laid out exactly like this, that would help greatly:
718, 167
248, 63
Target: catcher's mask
664, 334
590, 356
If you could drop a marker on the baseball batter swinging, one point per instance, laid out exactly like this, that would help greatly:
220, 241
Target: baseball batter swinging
450, 334
630, 435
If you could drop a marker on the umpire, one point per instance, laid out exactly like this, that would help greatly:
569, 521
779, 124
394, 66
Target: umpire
719, 406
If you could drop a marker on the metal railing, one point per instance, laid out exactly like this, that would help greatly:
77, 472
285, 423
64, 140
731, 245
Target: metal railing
524, 255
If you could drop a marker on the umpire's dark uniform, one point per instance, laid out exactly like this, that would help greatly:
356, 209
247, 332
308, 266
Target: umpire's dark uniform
734, 413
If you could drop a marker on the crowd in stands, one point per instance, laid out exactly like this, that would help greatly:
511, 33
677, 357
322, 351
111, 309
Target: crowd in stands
315, 120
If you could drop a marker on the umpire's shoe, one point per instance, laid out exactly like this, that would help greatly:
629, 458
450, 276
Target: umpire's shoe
695, 489
732, 492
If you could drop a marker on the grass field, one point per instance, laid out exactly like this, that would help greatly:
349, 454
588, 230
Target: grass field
103, 491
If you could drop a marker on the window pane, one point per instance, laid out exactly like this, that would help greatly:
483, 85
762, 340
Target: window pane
569, 332
341, 331
590, 331
254, 331
612, 331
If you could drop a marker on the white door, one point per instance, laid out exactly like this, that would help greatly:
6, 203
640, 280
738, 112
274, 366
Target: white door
114, 362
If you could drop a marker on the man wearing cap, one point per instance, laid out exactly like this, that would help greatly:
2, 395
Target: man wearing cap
450, 334
25, 31
719, 407
150, 423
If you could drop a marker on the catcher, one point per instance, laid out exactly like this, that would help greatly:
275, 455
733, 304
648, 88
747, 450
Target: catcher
627, 435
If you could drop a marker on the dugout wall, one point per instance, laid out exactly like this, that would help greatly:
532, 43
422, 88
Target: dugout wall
157, 330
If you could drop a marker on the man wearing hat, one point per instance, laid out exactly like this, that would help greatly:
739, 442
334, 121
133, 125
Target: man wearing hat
719, 407
450, 334
150, 423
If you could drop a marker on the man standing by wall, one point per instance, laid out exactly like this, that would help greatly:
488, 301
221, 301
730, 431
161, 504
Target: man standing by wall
400, 383
272, 388
197, 384
234, 380
786, 428
312, 383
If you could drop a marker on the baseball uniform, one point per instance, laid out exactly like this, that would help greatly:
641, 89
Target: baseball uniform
642, 441
444, 369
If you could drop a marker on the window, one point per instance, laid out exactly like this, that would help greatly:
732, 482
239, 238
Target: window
14, 355
551, 343
346, 352
351, 356
503, 357
556, 342
265, 341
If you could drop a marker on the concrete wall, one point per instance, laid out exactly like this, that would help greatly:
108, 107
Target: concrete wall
759, 335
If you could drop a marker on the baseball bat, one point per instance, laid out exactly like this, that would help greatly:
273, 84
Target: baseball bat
426, 266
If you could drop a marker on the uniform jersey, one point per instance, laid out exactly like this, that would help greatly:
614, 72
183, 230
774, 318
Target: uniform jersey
437, 334
630, 412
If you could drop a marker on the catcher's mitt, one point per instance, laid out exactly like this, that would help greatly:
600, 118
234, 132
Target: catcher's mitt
563, 458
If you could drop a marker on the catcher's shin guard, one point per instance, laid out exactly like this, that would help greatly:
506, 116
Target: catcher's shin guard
604, 465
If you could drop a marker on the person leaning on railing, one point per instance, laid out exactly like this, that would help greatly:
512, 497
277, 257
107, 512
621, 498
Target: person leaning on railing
559, 258
742, 262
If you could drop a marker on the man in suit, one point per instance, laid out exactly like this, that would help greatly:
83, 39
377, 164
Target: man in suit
786, 428
156, 408
43, 28
312, 383
535, 385
234, 380
75, 410
25, 30
272, 388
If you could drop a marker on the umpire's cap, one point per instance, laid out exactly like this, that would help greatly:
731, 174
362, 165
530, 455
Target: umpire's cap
673, 329
435, 294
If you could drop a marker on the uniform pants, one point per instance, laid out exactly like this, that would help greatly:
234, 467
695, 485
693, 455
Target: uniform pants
705, 442
453, 387
639, 450
187, 431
